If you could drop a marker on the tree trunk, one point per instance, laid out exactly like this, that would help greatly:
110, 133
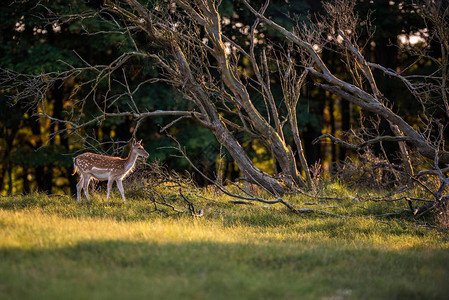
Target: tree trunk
301, 153
282, 152
250, 172
214, 123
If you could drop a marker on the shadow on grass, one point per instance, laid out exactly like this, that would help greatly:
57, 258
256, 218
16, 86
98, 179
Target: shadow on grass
209, 270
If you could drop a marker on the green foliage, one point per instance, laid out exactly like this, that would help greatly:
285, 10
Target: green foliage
55, 154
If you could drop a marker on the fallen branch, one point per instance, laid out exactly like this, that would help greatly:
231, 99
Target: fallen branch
248, 199
190, 206
381, 199
178, 186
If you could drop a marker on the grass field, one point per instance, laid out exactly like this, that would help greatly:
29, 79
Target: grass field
55, 248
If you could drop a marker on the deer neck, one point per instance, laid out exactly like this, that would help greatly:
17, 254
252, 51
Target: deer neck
130, 161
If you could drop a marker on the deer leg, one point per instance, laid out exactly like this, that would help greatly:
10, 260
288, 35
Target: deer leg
86, 186
120, 188
110, 182
79, 186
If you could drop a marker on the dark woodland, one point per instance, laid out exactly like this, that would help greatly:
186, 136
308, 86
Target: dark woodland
277, 93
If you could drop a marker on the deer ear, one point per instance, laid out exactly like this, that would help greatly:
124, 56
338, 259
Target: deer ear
134, 141
140, 142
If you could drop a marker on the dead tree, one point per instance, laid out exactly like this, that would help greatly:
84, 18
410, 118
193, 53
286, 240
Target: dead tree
338, 30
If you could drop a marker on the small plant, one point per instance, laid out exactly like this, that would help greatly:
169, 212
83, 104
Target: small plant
443, 218
316, 171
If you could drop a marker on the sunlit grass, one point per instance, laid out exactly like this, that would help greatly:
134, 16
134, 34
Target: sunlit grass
53, 247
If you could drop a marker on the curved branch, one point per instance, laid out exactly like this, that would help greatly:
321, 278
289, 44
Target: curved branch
378, 139
134, 115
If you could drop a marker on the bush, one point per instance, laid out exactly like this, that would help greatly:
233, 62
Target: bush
368, 171
443, 218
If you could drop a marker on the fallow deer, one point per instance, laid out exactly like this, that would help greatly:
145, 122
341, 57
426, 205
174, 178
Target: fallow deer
109, 168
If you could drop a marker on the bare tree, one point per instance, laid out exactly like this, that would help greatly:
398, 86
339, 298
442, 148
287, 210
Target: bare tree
338, 30
203, 64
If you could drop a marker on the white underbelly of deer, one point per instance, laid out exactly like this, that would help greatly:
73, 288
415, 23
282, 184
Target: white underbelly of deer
101, 174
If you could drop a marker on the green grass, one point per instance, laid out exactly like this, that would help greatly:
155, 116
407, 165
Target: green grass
55, 248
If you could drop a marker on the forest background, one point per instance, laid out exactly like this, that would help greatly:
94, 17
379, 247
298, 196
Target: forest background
36, 155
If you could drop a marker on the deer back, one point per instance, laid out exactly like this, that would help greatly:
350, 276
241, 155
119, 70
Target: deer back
91, 161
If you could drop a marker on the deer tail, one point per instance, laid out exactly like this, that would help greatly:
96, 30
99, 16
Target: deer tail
74, 166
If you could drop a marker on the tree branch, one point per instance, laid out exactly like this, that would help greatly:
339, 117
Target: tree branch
363, 145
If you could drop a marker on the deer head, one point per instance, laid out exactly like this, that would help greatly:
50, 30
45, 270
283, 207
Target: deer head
137, 147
